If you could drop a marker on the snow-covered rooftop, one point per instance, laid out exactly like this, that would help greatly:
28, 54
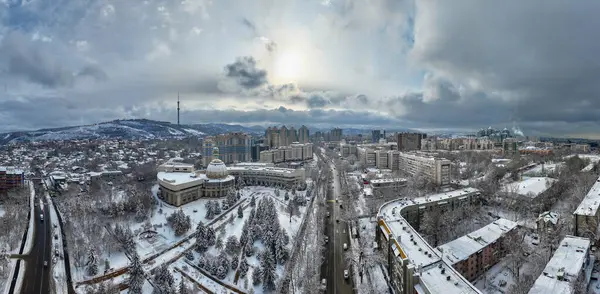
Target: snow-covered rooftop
533, 186
410, 245
380, 181
262, 168
467, 245
10, 170
568, 260
178, 178
590, 203
437, 282
548, 216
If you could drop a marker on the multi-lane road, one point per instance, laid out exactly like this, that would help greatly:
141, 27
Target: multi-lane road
37, 263
337, 231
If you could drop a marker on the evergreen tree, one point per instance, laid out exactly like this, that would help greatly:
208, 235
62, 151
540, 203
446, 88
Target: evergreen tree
180, 222
267, 267
232, 246
234, 263
287, 196
219, 243
210, 213
221, 272
249, 250
210, 236
202, 262
240, 212
281, 252
243, 270
244, 235
216, 207
253, 201
136, 275
223, 260
256, 276
183, 289
163, 277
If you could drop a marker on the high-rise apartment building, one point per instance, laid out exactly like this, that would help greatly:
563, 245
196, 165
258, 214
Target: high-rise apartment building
375, 135
409, 141
335, 135
233, 148
303, 135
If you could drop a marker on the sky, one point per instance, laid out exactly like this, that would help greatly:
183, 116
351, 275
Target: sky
423, 64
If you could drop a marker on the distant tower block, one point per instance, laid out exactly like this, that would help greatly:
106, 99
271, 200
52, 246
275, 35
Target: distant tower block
177, 108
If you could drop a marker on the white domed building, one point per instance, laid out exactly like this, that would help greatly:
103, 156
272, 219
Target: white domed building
180, 184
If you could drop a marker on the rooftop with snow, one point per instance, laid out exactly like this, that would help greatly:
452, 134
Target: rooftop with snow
564, 267
530, 187
467, 245
590, 203
410, 245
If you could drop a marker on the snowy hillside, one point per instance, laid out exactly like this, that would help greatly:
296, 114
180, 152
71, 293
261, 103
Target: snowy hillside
126, 129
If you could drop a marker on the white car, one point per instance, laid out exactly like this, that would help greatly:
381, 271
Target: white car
346, 274
345, 246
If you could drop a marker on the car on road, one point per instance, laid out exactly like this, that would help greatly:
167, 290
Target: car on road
328, 214
55, 236
45, 263
342, 207
346, 274
41, 217
345, 246
337, 220
326, 239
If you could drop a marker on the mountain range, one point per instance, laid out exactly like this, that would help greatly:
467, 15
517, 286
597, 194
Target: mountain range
142, 129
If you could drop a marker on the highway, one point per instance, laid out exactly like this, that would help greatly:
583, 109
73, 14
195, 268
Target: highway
37, 276
334, 266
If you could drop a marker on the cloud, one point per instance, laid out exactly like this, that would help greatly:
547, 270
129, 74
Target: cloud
245, 72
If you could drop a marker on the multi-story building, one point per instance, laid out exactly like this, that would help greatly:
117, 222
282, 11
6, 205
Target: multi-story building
509, 146
258, 145
568, 271
587, 216
11, 177
473, 254
409, 141
375, 136
381, 159
347, 149
335, 135
436, 169
233, 147
367, 156
385, 185
413, 265
179, 183
284, 138
259, 174
393, 160
303, 135
294, 152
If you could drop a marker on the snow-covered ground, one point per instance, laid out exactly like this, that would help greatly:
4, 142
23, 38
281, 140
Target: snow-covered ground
529, 187
58, 262
543, 168
497, 280
197, 211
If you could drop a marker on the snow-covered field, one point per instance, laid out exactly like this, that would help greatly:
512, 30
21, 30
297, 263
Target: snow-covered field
541, 169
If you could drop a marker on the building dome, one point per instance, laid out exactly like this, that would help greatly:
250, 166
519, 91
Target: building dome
216, 169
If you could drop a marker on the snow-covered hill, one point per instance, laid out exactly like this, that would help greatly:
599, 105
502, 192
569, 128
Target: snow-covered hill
126, 129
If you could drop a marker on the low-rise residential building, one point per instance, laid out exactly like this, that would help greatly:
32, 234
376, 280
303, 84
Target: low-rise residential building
394, 160
347, 149
473, 254
413, 265
11, 177
568, 271
384, 185
587, 215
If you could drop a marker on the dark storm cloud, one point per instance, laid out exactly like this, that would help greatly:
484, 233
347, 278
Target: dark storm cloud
539, 73
38, 63
245, 73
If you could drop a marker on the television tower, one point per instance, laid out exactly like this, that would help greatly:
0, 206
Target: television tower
177, 108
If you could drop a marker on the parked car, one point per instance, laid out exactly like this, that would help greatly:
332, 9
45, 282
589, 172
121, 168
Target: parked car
346, 274
326, 239
45, 263
345, 246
